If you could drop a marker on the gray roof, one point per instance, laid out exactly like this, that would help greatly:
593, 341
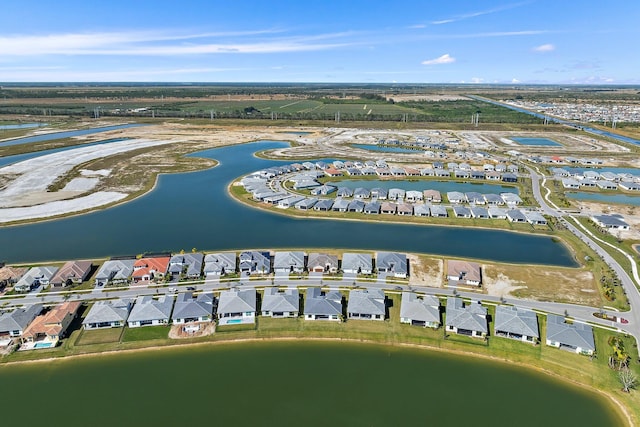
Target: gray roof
120, 269
421, 209
611, 220
356, 205
576, 335
455, 196
471, 317
274, 300
216, 263
236, 301
187, 307
425, 309
372, 207
19, 319
344, 192
108, 311
323, 204
355, 261
323, 260
516, 321
147, 308
306, 203
515, 214
320, 303
366, 301
438, 210
43, 272
255, 261
461, 211
477, 212
340, 204
474, 197
193, 262
288, 259
379, 192
361, 192
392, 261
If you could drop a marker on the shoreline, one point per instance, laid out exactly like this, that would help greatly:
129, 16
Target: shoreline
611, 399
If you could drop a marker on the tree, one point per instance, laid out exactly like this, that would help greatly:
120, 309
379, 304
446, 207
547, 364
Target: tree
628, 379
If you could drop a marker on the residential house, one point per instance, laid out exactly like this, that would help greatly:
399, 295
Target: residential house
438, 211
372, 208
479, 213
219, 264
190, 309
497, 213
290, 201
108, 314
280, 303
511, 199
237, 306
405, 209
51, 326
420, 311
150, 312
493, 199
361, 193
392, 262
455, 197
187, 265
432, 196
288, 262
576, 337
535, 218
396, 194
150, 268
465, 272
14, 323
414, 196
509, 177
344, 192
323, 205
469, 320
323, 190
340, 205
570, 183
321, 305
255, 262
379, 193
474, 198
369, 304
610, 222
10, 275
514, 215
356, 206
629, 186
36, 276
72, 273
357, 263
306, 204
421, 210
114, 271
461, 212
322, 263
517, 324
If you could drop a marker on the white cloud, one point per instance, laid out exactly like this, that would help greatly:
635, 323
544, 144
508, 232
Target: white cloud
464, 16
515, 81
444, 59
477, 80
543, 48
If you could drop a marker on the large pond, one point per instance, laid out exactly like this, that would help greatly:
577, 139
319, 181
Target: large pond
620, 199
195, 210
67, 134
536, 141
420, 185
294, 384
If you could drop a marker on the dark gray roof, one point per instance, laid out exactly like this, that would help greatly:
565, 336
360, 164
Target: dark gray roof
576, 335
425, 309
516, 321
19, 319
274, 300
216, 263
392, 261
115, 270
471, 317
193, 262
186, 307
147, 308
319, 303
366, 301
236, 301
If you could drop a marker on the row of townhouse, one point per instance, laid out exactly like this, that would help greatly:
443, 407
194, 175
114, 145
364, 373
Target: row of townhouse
35, 329
510, 322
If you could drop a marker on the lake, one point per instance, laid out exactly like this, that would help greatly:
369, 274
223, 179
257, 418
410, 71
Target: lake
536, 141
67, 134
194, 210
621, 199
420, 185
293, 384
22, 126
386, 148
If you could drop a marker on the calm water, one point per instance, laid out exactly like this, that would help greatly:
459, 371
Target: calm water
621, 199
294, 384
441, 186
68, 134
194, 210
385, 149
536, 141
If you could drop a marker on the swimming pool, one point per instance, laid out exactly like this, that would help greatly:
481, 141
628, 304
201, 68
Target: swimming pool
42, 345
233, 321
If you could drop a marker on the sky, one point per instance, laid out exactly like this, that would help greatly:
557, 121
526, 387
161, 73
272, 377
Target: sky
353, 41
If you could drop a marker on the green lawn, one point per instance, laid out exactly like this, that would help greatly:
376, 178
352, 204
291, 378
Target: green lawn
145, 333
99, 336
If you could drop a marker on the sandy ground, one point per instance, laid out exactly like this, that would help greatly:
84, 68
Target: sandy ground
426, 272
631, 215
502, 286
81, 184
206, 328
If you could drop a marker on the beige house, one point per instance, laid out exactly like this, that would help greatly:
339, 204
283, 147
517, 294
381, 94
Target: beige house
464, 272
50, 327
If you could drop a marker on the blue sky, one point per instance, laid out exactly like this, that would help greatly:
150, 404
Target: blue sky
428, 41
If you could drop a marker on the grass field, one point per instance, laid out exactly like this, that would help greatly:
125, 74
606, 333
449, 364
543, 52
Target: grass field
145, 333
99, 336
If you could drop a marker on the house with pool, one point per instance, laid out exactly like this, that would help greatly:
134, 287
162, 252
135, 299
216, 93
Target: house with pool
47, 329
14, 323
237, 307
191, 309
